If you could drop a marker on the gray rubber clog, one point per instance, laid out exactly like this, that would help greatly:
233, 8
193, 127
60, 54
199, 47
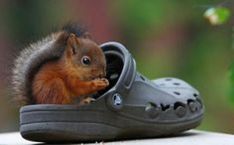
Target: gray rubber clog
131, 107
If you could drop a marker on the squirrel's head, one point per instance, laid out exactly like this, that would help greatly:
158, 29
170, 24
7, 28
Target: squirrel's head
84, 57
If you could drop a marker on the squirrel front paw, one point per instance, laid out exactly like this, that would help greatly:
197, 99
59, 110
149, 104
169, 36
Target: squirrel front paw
101, 83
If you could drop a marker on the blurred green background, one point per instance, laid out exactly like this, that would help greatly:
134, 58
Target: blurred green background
167, 38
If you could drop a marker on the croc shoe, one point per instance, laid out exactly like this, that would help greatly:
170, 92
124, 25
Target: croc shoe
131, 107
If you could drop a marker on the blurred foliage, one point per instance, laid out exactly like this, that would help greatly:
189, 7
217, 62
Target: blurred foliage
232, 83
217, 15
167, 38
27, 20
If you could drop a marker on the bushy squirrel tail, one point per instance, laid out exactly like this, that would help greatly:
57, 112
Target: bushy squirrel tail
30, 60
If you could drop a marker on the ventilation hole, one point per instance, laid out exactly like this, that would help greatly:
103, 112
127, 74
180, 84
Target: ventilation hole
177, 93
177, 84
168, 79
180, 109
178, 104
164, 107
195, 94
152, 110
142, 77
192, 105
150, 105
190, 101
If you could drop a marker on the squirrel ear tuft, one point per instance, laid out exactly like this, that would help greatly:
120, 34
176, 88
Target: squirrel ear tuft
72, 43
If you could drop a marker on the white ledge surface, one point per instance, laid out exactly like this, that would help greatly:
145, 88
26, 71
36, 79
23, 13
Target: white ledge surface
193, 137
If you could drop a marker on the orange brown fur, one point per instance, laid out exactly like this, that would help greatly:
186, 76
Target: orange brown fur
63, 80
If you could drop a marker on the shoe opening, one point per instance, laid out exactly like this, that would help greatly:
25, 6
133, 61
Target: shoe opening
114, 68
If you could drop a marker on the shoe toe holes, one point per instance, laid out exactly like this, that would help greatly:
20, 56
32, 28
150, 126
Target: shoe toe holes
177, 93
176, 84
180, 109
195, 95
152, 110
168, 79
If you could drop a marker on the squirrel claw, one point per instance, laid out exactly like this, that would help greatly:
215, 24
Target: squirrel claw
87, 100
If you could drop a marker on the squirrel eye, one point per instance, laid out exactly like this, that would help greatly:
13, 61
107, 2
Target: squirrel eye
85, 60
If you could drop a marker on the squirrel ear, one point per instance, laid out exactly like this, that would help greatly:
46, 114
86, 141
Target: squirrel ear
72, 44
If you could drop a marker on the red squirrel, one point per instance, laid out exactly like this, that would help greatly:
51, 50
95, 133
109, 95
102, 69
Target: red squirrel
63, 67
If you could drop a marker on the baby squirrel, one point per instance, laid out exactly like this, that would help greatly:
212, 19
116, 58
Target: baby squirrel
63, 67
